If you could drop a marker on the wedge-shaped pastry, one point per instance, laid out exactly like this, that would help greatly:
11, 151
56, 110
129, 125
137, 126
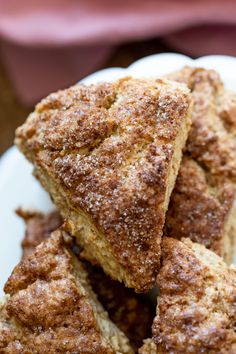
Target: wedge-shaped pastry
52, 309
129, 311
109, 154
196, 311
202, 204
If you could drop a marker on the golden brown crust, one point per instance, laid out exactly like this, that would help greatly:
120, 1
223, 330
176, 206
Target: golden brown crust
227, 110
128, 310
51, 309
196, 308
202, 203
109, 154
199, 210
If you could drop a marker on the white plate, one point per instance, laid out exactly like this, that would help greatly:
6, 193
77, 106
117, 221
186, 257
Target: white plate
19, 188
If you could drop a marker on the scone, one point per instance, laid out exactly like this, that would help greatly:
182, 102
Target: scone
109, 154
129, 311
202, 204
196, 310
50, 308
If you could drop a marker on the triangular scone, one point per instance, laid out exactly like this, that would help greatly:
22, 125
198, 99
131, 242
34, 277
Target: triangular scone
50, 308
109, 154
130, 312
196, 311
202, 204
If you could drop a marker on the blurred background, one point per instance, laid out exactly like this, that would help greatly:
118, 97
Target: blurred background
48, 45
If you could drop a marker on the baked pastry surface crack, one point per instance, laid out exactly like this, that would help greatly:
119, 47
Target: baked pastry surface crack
108, 154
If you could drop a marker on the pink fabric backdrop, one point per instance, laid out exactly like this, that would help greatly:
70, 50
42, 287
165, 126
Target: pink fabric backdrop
53, 43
